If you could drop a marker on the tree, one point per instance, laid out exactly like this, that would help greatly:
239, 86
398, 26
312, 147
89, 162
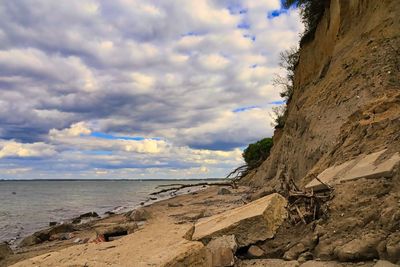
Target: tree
257, 152
311, 13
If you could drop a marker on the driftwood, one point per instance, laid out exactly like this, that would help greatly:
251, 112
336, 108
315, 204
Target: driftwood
177, 187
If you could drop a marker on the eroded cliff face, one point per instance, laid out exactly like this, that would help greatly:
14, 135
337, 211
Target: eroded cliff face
346, 100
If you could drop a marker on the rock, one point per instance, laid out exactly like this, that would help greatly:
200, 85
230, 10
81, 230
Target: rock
87, 215
294, 252
224, 191
190, 254
138, 215
222, 250
255, 252
268, 262
77, 240
255, 221
174, 205
109, 232
364, 248
52, 223
5, 251
53, 233
61, 236
189, 234
30, 241
393, 247
362, 167
321, 264
109, 213
382, 263
306, 256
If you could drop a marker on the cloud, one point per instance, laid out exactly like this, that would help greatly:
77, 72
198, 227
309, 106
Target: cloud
15, 149
171, 72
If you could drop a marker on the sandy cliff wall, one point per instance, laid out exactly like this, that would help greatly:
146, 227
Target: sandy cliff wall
347, 93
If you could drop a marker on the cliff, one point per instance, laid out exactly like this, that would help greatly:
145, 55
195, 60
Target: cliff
343, 127
346, 99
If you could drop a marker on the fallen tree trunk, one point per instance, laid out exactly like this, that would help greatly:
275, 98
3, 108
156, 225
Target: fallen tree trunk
177, 187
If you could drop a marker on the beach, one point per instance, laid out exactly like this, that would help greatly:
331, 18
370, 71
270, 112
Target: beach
157, 241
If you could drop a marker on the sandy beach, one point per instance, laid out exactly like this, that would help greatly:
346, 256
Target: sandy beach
157, 242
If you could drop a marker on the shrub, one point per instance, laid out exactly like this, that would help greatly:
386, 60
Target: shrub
257, 152
288, 60
311, 13
279, 116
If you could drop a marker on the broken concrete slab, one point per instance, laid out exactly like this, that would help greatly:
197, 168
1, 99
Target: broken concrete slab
364, 166
329, 176
367, 169
255, 221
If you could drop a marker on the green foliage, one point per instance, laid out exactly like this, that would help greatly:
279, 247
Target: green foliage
311, 13
257, 152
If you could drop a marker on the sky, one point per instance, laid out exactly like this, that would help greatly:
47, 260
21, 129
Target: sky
131, 89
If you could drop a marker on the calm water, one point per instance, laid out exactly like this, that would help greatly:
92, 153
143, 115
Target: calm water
36, 203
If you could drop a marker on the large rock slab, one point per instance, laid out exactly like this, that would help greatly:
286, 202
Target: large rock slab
364, 166
255, 221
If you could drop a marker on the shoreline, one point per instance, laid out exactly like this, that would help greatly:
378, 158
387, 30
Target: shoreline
27, 227
167, 204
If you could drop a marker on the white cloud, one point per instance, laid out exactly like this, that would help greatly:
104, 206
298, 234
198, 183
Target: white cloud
15, 149
175, 70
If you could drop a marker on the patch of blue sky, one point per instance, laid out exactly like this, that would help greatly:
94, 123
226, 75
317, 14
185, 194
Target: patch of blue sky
253, 66
276, 13
243, 25
242, 109
117, 137
279, 102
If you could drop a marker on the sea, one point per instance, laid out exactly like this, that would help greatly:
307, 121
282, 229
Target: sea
29, 206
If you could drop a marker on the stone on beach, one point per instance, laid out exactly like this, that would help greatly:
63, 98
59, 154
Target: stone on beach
222, 250
224, 191
255, 221
138, 215
5, 250
364, 166
255, 252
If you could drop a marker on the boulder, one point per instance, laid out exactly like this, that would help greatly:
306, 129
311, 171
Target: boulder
47, 234
255, 252
224, 191
305, 256
294, 252
87, 215
5, 251
361, 249
256, 221
222, 251
138, 215
190, 254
